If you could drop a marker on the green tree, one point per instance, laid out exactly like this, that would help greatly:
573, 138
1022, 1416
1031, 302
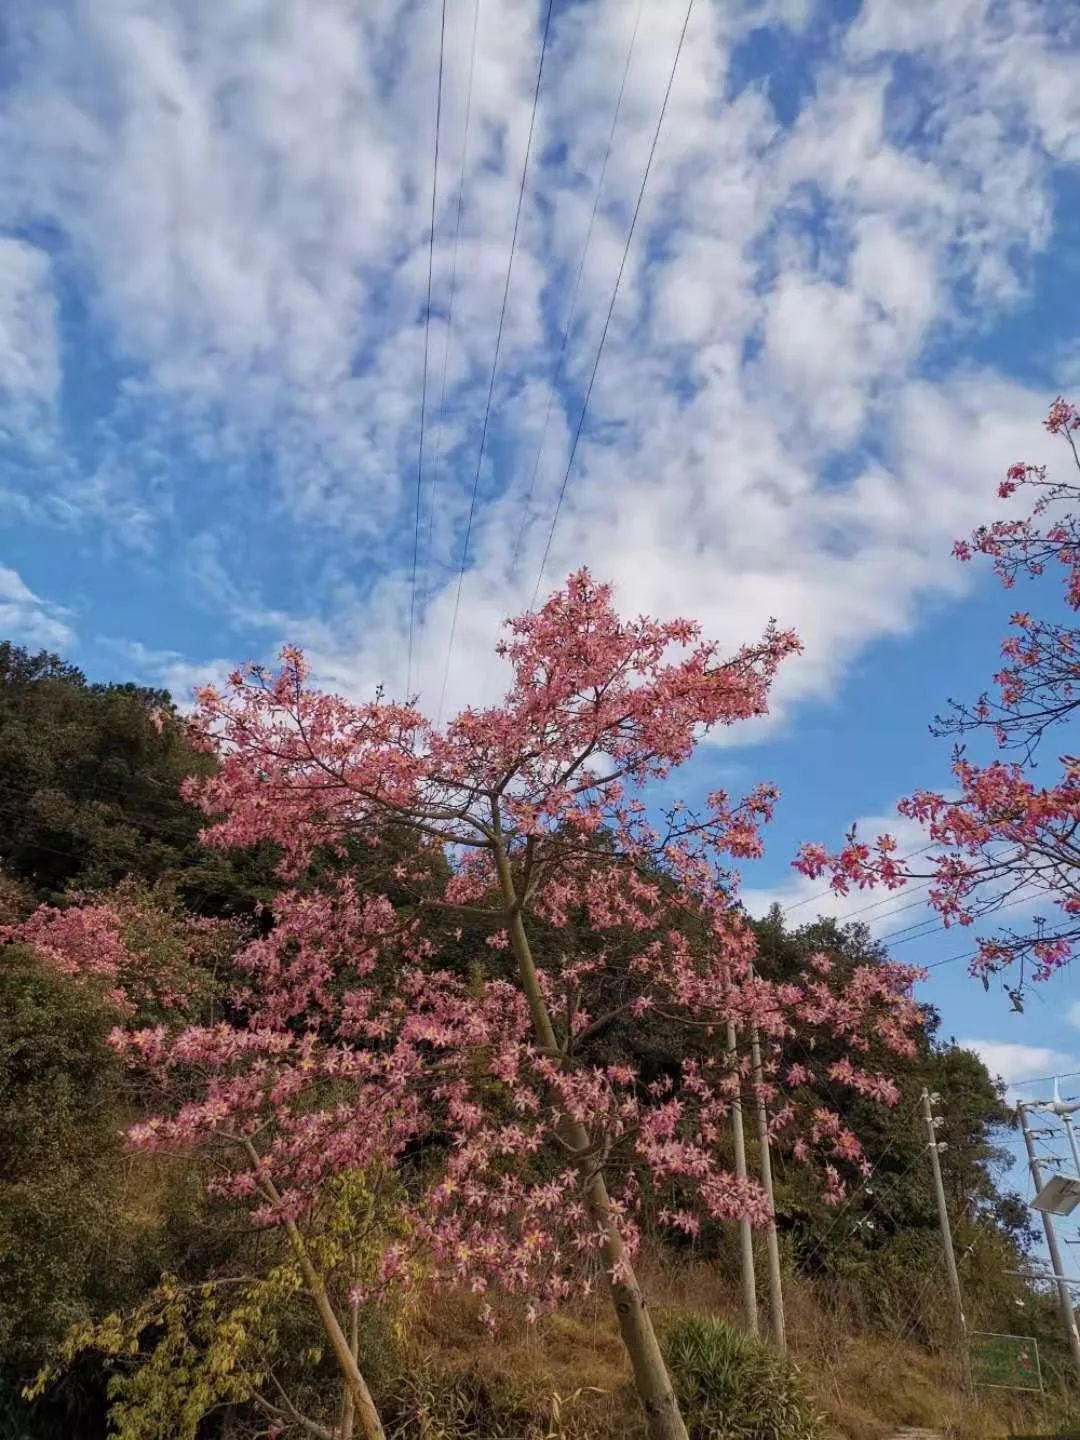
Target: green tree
90, 778
62, 1207
887, 1232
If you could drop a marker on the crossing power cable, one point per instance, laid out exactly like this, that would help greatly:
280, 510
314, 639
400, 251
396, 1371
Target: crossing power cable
828, 890
934, 925
494, 363
427, 347
575, 294
611, 306
1046, 1079
437, 452
927, 926
887, 900
971, 954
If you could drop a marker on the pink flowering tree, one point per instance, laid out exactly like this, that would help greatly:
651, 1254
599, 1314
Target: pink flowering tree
524, 1154
1009, 836
135, 945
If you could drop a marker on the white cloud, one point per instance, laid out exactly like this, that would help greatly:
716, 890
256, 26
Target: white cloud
963, 37
29, 347
242, 195
803, 899
169, 670
1073, 1015
1015, 1062
28, 619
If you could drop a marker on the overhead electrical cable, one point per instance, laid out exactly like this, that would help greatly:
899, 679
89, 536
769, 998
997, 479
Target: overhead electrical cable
611, 306
494, 363
575, 293
437, 450
863, 1186
971, 954
1045, 1079
887, 900
935, 925
427, 347
821, 894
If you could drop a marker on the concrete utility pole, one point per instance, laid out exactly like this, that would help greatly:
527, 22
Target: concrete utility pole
776, 1292
746, 1236
1064, 1110
1067, 1118
1068, 1316
943, 1219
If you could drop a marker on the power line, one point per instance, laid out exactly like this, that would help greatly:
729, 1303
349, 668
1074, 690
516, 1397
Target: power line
888, 900
921, 929
913, 1316
934, 925
930, 920
575, 293
494, 362
427, 344
926, 926
915, 1312
862, 1185
611, 306
1044, 1079
821, 894
952, 959
437, 446
971, 954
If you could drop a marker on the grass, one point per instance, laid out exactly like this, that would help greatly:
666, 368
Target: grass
566, 1378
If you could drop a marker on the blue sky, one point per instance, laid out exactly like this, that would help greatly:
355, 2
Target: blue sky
849, 299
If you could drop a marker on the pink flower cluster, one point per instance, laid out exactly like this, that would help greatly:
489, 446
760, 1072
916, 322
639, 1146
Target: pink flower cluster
351, 1042
144, 956
1004, 838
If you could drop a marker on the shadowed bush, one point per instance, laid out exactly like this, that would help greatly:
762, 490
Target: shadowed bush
732, 1387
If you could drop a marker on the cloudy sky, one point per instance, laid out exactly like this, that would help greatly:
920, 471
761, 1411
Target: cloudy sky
849, 297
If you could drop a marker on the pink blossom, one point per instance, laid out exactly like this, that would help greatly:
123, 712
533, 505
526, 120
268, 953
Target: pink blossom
1008, 829
351, 1044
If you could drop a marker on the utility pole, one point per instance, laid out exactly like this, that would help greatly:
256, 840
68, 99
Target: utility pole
746, 1237
946, 1229
1064, 1110
776, 1292
1068, 1317
1067, 1118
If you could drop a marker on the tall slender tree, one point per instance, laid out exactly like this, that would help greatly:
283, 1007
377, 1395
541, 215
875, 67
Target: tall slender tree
350, 1041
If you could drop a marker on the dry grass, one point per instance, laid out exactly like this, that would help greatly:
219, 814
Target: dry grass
571, 1362
867, 1384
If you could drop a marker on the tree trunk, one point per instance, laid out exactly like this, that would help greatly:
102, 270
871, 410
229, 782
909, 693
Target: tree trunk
651, 1380
348, 1409
370, 1425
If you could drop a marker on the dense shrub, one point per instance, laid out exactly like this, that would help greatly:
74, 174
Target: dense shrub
733, 1387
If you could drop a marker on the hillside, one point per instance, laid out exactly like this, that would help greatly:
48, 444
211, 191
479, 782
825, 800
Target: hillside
128, 1279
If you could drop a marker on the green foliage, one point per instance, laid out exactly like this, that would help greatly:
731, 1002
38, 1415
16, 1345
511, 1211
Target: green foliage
62, 1208
84, 1227
733, 1387
90, 780
183, 1351
245, 1338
